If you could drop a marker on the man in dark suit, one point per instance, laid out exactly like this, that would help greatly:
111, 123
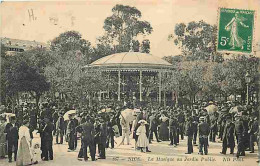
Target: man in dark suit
87, 139
60, 125
228, 136
181, 121
71, 130
239, 130
110, 133
76, 122
253, 130
55, 117
47, 136
102, 139
189, 134
195, 122
11, 131
213, 127
173, 130
153, 128
204, 130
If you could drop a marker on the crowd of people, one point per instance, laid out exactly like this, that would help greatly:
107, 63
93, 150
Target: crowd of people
96, 128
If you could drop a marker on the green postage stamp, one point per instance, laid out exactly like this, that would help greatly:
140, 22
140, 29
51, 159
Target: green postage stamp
235, 30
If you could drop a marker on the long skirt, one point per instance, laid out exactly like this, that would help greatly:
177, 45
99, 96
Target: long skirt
164, 132
142, 141
23, 154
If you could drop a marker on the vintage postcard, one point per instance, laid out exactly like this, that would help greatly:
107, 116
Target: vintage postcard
236, 30
130, 82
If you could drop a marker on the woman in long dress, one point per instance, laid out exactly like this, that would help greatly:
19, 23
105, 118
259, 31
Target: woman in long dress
164, 131
142, 141
2, 138
24, 156
232, 26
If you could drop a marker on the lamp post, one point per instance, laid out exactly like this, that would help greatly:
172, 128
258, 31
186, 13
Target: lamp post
248, 80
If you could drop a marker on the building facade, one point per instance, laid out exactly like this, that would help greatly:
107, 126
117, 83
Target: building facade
17, 45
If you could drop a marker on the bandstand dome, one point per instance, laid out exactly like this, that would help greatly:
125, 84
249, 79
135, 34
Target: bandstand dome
131, 59
132, 62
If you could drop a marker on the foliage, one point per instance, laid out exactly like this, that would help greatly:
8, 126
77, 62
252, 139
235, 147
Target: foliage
123, 26
196, 40
68, 72
208, 79
145, 47
69, 53
23, 72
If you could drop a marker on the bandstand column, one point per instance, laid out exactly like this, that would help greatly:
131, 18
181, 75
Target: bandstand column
108, 96
119, 83
160, 87
140, 86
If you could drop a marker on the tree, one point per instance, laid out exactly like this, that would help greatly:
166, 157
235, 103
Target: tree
69, 53
5, 64
145, 47
123, 26
25, 73
197, 40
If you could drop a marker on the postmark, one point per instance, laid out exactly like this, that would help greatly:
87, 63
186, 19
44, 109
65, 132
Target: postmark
235, 30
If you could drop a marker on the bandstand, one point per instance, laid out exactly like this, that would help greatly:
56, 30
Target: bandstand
127, 64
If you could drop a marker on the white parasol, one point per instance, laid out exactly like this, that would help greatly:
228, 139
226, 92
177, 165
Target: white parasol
105, 110
127, 115
142, 121
236, 109
211, 108
70, 112
164, 118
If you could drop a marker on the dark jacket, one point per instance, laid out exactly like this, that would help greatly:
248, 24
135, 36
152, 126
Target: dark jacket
195, 122
189, 129
60, 125
153, 123
228, 134
71, 127
173, 125
11, 132
204, 129
47, 131
87, 132
110, 129
239, 127
253, 128
103, 132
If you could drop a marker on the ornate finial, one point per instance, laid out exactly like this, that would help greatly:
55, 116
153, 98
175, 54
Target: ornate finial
131, 46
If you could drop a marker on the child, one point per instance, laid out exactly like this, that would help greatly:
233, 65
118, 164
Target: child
142, 141
36, 153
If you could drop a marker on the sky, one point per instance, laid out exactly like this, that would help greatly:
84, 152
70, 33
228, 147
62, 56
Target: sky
50, 18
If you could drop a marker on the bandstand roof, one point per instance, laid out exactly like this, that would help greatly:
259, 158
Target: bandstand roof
131, 61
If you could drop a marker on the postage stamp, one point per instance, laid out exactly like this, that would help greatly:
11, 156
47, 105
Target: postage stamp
235, 30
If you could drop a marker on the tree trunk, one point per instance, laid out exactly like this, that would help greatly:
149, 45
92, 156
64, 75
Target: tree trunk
17, 98
37, 98
243, 97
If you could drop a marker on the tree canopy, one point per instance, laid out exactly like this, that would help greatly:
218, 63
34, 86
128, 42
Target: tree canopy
122, 27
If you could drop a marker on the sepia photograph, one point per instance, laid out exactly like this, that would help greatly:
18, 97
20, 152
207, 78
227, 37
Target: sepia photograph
130, 82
